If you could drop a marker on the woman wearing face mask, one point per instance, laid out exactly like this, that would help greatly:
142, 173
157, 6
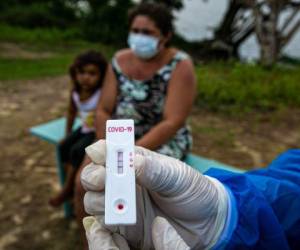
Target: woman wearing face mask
152, 83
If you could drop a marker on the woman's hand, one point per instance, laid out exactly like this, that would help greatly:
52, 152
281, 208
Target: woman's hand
177, 207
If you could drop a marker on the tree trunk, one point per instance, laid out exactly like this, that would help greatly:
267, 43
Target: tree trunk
228, 36
267, 31
224, 31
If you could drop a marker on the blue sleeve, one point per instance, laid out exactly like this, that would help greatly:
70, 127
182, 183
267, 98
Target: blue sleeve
267, 204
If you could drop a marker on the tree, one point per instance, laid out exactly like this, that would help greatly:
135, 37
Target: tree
106, 20
236, 26
272, 36
38, 13
96, 20
172, 4
262, 17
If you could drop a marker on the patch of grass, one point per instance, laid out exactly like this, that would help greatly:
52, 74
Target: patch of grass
34, 36
50, 39
63, 46
219, 135
206, 130
40, 38
226, 138
238, 88
14, 69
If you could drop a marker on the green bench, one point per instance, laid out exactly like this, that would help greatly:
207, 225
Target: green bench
53, 132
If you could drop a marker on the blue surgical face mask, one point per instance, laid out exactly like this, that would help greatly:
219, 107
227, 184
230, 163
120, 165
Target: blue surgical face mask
144, 46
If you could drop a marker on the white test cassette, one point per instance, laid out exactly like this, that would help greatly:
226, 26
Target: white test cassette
120, 189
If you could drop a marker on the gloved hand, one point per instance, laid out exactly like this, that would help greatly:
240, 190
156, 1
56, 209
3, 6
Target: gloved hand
177, 207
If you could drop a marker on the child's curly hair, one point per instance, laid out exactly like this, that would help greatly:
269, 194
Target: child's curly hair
88, 57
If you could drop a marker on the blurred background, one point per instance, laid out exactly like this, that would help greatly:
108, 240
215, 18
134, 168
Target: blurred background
247, 56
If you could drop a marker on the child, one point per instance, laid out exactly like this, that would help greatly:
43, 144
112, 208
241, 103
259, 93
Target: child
87, 74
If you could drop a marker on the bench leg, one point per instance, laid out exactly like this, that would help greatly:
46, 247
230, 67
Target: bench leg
68, 209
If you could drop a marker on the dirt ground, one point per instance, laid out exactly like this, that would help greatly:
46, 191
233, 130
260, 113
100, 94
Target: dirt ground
28, 173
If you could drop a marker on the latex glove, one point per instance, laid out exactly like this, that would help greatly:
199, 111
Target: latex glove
192, 208
99, 238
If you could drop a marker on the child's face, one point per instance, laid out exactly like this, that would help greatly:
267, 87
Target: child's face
88, 76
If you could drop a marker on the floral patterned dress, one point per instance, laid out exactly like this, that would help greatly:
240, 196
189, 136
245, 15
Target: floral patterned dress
143, 101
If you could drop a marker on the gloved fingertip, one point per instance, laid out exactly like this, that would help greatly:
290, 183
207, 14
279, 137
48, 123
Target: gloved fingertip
97, 152
98, 237
93, 177
94, 203
165, 236
88, 222
159, 225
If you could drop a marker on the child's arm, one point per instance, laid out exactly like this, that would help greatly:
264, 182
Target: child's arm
71, 115
106, 102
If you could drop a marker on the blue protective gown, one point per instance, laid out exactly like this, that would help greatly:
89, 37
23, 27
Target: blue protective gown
265, 205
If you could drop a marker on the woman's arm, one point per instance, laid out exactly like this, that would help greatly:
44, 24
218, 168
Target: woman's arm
179, 101
72, 111
106, 103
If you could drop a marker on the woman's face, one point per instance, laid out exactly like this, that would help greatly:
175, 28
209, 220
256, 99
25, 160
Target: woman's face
145, 25
88, 76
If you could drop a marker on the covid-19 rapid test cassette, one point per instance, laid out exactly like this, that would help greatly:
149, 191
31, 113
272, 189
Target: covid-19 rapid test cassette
120, 190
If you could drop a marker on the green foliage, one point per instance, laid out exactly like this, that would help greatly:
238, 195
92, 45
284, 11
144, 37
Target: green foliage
37, 13
38, 36
236, 87
172, 4
106, 21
